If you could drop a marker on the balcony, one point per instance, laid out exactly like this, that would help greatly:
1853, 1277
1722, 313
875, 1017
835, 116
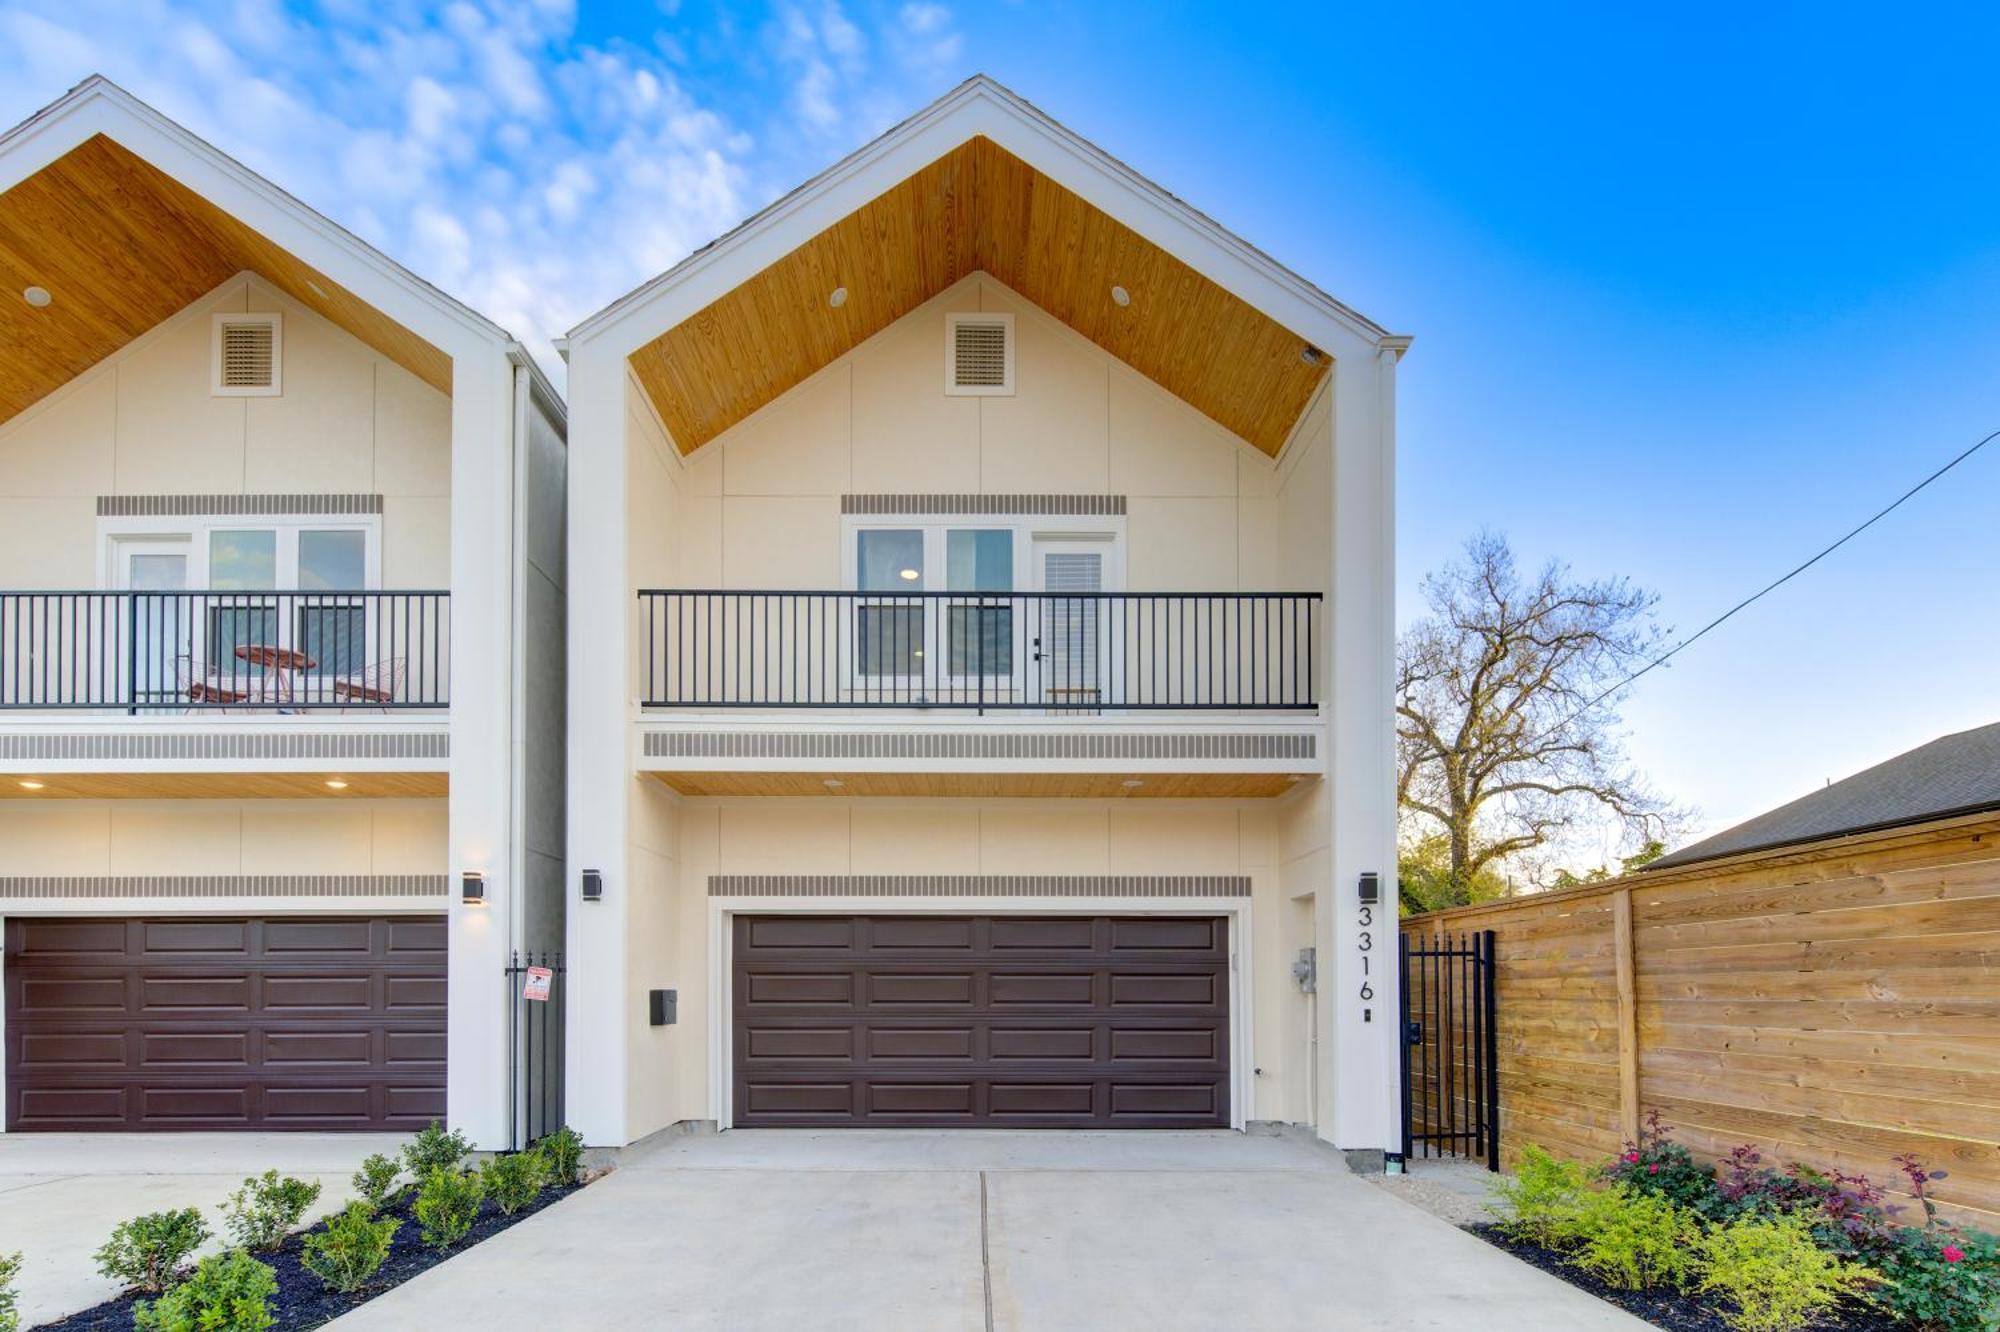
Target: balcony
150, 653
1051, 653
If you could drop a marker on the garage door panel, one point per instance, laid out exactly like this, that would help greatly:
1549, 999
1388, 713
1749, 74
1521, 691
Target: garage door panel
72, 1107
160, 938
1068, 934
940, 1021
161, 993
71, 995
160, 1050
303, 1023
72, 1050
74, 940
948, 934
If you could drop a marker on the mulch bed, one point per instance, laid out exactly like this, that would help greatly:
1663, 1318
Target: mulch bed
1666, 1308
303, 1301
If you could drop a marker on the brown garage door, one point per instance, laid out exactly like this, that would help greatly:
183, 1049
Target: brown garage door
998, 1021
199, 1023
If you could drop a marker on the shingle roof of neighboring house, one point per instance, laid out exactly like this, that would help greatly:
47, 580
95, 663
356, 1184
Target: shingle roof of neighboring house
1955, 774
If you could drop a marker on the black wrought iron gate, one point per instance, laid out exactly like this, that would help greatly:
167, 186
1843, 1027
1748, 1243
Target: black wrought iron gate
1451, 1074
535, 1028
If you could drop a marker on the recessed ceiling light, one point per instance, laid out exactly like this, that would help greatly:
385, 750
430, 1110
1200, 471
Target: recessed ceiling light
30, 784
36, 296
908, 575
1120, 296
837, 297
314, 288
336, 784
1296, 777
1311, 355
833, 783
1132, 783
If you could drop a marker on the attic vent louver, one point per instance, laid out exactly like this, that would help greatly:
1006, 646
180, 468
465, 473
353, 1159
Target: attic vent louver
248, 359
979, 354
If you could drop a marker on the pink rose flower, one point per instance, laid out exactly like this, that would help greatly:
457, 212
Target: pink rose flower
1632, 1158
1653, 1169
1953, 1254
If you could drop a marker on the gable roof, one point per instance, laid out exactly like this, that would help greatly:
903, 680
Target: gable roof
981, 181
126, 217
1953, 775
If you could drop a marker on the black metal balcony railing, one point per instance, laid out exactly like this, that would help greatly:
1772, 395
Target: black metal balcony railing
224, 651
1056, 651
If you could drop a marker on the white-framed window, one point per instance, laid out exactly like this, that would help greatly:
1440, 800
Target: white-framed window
235, 557
247, 356
978, 355
940, 605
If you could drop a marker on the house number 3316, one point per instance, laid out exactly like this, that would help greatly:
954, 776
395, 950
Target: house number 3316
1364, 943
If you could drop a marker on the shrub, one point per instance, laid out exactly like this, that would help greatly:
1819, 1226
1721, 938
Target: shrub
562, 1152
1632, 1240
350, 1249
146, 1252
228, 1292
514, 1181
1657, 1164
435, 1149
1848, 1214
375, 1182
447, 1205
1773, 1273
1535, 1203
261, 1213
10, 1267
1939, 1277
1942, 1282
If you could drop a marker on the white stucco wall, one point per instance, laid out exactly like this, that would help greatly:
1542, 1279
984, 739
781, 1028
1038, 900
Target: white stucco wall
759, 506
143, 422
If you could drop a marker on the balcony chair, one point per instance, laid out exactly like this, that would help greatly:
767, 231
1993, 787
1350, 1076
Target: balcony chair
378, 685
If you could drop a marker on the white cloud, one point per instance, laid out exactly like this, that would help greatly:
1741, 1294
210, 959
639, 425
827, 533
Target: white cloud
531, 175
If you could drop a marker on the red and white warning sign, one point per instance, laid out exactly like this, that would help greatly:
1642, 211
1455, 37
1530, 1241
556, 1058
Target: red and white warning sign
538, 983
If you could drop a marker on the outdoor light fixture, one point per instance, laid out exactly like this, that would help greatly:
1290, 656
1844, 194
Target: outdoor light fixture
1311, 355
908, 575
833, 783
1371, 888
336, 783
1132, 783
472, 888
593, 886
1120, 297
30, 784
314, 288
36, 296
837, 298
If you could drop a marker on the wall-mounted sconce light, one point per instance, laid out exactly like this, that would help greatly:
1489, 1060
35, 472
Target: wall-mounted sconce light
472, 888
662, 1007
593, 886
1371, 888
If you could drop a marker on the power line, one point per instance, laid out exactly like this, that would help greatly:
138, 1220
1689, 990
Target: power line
1774, 585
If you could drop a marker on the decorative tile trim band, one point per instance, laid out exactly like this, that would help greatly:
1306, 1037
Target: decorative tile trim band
184, 745
165, 506
978, 885
79, 887
984, 505
982, 745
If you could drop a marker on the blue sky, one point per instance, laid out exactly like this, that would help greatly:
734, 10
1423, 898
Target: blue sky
1694, 288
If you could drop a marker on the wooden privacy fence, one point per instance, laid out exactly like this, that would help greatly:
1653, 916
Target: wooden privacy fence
1836, 1003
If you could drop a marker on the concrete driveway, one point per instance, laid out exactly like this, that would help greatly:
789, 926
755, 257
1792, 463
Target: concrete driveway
61, 1194
985, 1230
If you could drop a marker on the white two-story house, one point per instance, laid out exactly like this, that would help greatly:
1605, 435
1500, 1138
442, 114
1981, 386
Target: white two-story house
980, 664
280, 657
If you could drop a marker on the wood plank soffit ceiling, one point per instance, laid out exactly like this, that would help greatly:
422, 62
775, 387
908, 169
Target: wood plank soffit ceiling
979, 208
121, 246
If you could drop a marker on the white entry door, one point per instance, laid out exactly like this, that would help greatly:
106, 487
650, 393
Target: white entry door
1076, 629
158, 628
